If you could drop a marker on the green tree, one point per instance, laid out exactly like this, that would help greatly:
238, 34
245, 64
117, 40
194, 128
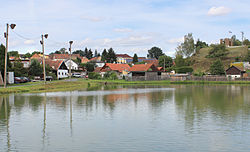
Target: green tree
199, 45
165, 60
35, 68
247, 57
90, 67
111, 56
2, 60
217, 68
188, 47
217, 51
246, 42
27, 55
179, 60
155, 52
135, 58
96, 53
13, 53
81, 52
104, 55
235, 41
18, 69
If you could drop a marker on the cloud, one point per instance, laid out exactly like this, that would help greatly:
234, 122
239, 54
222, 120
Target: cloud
218, 11
29, 42
123, 30
176, 40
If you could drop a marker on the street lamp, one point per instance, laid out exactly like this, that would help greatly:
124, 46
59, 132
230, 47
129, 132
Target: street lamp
42, 43
6, 35
70, 44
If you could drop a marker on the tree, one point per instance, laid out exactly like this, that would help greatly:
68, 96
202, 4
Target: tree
247, 57
18, 69
13, 53
246, 42
135, 58
199, 45
79, 52
179, 60
217, 51
165, 61
111, 56
2, 60
90, 67
36, 52
104, 55
89, 54
188, 47
235, 41
155, 52
63, 51
27, 55
217, 68
96, 54
35, 68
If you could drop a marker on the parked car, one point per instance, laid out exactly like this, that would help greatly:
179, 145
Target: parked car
77, 75
18, 80
25, 79
48, 78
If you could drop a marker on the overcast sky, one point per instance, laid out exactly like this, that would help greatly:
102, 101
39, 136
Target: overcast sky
129, 26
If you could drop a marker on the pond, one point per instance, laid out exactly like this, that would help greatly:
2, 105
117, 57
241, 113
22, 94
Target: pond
173, 118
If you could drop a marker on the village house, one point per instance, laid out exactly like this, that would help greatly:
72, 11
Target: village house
123, 58
25, 62
98, 61
84, 60
64, 56
59, 68
39, 56
235, 72
74, 66
144, 72
120, 69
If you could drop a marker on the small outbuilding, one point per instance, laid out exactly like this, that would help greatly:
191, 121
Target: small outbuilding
235, 72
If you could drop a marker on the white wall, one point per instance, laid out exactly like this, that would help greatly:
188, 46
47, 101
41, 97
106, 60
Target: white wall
62, 74
74, 66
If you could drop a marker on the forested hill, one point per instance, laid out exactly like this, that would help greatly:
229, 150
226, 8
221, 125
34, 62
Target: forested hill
201, 63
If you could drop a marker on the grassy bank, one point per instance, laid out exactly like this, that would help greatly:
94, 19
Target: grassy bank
49, 87
80, 84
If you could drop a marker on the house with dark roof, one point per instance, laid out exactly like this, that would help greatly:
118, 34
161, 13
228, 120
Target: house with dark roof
235, 72
145, 72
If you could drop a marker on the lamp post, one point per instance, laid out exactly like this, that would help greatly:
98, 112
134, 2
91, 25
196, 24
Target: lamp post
6, 35
70, 56
42, 43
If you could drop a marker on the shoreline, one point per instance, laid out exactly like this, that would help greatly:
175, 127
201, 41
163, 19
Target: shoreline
79, 84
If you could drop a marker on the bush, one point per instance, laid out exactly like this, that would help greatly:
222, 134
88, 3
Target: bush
110, 75
217, 51
217, 68
94, 75
184, 69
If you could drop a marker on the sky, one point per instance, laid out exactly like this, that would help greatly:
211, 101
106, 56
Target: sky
128, 26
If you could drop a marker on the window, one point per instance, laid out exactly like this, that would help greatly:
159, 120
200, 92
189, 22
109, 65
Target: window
58, 73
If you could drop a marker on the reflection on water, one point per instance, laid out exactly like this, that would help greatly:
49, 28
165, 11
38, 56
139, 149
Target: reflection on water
128, 118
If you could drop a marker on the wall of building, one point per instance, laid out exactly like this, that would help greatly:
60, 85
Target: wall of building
62, 74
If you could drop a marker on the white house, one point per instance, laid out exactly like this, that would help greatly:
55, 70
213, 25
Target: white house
59, 68
74, 66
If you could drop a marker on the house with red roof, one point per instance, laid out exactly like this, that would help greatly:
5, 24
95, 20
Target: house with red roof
145, 72
123, 58
59, 68
120, 69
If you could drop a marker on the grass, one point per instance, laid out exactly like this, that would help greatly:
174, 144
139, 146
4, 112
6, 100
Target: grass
203, 64
81, 84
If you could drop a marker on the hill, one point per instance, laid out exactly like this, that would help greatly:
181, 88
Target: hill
201, 63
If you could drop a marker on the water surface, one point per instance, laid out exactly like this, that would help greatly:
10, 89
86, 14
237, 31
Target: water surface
128, 119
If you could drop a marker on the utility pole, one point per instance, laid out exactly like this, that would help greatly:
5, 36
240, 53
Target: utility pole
70, 56
42, 43
6, 35
242, 34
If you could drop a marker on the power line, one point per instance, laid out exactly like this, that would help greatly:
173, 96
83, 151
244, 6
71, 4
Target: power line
23, 37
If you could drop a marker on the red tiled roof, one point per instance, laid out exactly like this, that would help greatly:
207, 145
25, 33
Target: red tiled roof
98, 69
143, 67
96, 58
64, 56
116, 67
123, 56
54, 64
84, 60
